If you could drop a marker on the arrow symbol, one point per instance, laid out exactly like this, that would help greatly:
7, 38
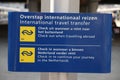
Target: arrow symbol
30, 32
27, 53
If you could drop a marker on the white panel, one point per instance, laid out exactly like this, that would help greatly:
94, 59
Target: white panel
45, 5
61, 6
74, 6
53, 76
52, 2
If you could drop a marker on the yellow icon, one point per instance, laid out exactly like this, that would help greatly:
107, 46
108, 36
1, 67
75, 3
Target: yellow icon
27, 55
27, 34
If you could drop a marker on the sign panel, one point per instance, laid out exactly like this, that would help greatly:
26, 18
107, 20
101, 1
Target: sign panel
59, 42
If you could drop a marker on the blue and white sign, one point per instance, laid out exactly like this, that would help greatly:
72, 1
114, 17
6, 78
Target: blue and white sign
59, 42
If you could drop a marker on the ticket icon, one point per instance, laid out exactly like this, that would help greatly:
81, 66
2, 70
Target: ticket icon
27, 55
27, 33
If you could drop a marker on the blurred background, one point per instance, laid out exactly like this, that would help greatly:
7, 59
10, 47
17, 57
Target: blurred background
79, 6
